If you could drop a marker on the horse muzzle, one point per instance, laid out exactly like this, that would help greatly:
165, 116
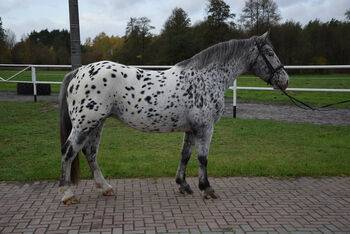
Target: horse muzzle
282, 81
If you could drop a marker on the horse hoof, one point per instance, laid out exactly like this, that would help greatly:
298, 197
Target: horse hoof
210, 194
70, 201
108, 192
186, 190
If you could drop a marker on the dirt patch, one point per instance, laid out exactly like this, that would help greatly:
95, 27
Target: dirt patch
331, 116
50, 106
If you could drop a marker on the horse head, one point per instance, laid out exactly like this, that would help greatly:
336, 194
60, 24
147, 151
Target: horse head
266, 65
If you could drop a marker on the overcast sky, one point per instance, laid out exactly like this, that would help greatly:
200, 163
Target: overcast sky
111, 16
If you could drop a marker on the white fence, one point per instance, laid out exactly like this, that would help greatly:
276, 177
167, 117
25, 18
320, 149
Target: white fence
234, 87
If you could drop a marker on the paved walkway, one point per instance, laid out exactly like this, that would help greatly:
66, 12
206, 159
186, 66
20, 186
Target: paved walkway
264, 205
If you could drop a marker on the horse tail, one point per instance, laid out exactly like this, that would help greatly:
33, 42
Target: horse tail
66, 124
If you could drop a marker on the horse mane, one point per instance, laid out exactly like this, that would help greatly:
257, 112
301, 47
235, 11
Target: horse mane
220, 53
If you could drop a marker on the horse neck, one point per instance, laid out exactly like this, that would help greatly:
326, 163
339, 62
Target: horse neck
232, 69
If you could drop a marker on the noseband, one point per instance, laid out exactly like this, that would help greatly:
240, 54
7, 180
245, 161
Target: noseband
272, 70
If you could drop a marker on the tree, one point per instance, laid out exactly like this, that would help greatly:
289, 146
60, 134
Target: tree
2, 32
137, 39
5, 52
259, 15
10, 38
175, 39
178, 22
102, 47
218, 12
288, 42
347, 14
216, 28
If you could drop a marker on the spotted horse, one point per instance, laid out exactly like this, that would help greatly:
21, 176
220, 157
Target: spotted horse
189, 98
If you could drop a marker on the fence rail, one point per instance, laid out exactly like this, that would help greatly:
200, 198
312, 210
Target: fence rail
33, 67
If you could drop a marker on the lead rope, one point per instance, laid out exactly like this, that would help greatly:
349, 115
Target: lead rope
305, 106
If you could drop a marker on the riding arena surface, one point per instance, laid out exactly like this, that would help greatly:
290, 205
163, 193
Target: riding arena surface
245, 205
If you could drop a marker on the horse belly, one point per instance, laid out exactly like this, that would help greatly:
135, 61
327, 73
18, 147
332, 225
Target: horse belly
148, 118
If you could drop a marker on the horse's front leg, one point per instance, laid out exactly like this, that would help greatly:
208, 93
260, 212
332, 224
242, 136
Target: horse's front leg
187, 148
202, 141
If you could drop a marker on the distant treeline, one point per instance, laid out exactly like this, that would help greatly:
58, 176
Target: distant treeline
315, 43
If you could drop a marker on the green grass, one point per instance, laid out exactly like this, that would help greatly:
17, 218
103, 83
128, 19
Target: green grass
30, 150
335, 81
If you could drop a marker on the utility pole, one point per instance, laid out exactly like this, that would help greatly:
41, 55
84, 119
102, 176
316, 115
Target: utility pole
74, 34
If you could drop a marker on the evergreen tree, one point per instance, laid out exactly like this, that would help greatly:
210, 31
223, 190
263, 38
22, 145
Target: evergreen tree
175, 38
218, 12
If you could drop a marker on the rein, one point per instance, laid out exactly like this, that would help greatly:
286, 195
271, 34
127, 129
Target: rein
294, 100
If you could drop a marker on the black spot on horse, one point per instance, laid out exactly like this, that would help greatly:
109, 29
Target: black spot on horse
91, 105
113, 75
93, 87
71, 88
129, 88
148, 99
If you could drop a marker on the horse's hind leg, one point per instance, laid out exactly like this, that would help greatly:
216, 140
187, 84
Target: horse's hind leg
187, 148
70, 150
90, 150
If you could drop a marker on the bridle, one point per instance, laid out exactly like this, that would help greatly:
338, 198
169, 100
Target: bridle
273, 71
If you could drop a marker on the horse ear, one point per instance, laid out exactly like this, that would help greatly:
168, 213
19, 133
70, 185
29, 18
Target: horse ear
265, 36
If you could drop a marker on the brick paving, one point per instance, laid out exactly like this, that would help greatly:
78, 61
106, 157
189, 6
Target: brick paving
246, 205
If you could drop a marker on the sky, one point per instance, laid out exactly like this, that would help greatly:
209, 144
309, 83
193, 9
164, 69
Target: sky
111, 16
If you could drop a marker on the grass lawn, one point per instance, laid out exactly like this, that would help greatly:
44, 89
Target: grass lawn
30, 150
336, 81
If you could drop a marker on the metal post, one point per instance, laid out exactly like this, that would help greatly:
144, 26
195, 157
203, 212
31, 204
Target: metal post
34, 82
234, 97
74, 34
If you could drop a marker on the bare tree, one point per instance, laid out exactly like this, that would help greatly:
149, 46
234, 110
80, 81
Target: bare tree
10, 38
259, 15
347, 14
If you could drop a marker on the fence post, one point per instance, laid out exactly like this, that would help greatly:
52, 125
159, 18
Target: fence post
34, 82
234, 97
